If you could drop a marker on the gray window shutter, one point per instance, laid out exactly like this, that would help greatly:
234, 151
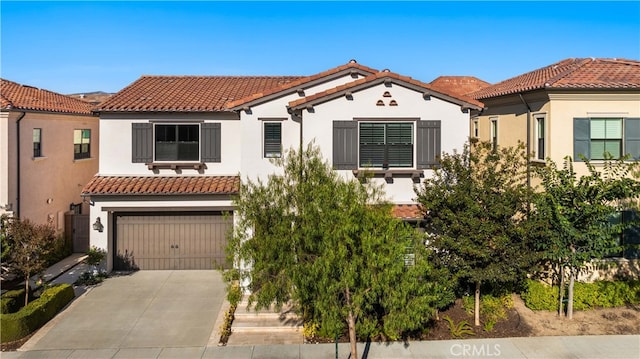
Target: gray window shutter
581, 138
210, 142
345, 145
142, 142
632, 137
428, 143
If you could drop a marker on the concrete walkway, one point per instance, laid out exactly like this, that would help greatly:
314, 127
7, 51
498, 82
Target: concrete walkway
581, 347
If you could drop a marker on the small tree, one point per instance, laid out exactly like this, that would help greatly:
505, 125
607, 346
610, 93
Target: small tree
475, 203
574, 215
332, 247
30, 244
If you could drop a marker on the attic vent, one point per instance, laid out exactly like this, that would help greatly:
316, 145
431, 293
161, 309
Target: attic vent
386, 94
379, 103
393, 103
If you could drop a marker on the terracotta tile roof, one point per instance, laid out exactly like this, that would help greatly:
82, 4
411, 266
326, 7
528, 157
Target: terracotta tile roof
461, 85
407, 211
373, 80
189, 93
146, 185
579, 73
351, 65
27, 98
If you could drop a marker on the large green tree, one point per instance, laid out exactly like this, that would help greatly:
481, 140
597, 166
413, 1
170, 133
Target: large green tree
575, 215
331, 246
476, 202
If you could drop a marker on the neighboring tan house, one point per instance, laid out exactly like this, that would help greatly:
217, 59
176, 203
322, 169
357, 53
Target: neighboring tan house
48, 151
174, 150
576, 107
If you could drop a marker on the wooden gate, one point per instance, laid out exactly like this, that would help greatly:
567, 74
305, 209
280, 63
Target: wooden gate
77, 231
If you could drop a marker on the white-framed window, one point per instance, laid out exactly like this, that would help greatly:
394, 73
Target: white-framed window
81, 144
176, 142
494, 132
386, 144
272, 139
595, 136
540, 135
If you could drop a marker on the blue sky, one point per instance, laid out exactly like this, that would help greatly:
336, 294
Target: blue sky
73, 46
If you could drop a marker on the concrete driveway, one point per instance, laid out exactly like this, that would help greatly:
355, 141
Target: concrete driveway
143, 310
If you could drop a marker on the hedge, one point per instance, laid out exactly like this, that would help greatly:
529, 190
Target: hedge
17, 325
600, 294
12, 301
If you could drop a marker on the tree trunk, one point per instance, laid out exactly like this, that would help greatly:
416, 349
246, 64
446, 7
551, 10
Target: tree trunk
561, 294
351, 322
26, 291
570, 295
476, 311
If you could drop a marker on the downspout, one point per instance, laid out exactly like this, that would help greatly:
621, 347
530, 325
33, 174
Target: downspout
528, 139
18, 164
528, 149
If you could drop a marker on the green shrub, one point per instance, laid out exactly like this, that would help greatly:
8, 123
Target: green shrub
539, 296
601, 294
492, 309
12, 301
17, 325
459, 330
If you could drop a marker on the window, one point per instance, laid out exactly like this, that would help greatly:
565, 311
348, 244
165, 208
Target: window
81, 144
540, 138
475, 129
188, 142
494, 133
37, 142
272, 139
606, 136
629, 239
353, 149
386, 145
177, 142
593, 137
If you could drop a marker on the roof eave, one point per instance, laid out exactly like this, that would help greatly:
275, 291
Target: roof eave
381, 80
296, 87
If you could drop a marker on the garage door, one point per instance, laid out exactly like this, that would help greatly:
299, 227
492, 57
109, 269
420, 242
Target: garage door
171, 241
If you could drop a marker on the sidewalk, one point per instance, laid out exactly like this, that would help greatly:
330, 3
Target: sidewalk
580, 347
65, 271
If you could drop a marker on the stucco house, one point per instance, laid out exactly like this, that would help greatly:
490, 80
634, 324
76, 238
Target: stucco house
49, 150
174, 150
575, 107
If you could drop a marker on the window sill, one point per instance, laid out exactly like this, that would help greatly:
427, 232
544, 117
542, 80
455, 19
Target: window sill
39, 158
83, 159
390, 174
176, 166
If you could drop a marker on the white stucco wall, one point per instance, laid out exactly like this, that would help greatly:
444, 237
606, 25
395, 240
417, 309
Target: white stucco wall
115, 142
318, 125
253, 164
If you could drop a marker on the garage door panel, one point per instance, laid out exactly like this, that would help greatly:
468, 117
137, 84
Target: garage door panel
173, 241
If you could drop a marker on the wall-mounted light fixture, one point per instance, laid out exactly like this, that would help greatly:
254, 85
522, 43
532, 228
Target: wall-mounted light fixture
98, 225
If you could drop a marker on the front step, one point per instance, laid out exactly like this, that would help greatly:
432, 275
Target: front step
255, 327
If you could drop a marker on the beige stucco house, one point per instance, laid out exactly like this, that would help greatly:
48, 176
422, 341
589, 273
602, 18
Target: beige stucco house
576, 107
48, 152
